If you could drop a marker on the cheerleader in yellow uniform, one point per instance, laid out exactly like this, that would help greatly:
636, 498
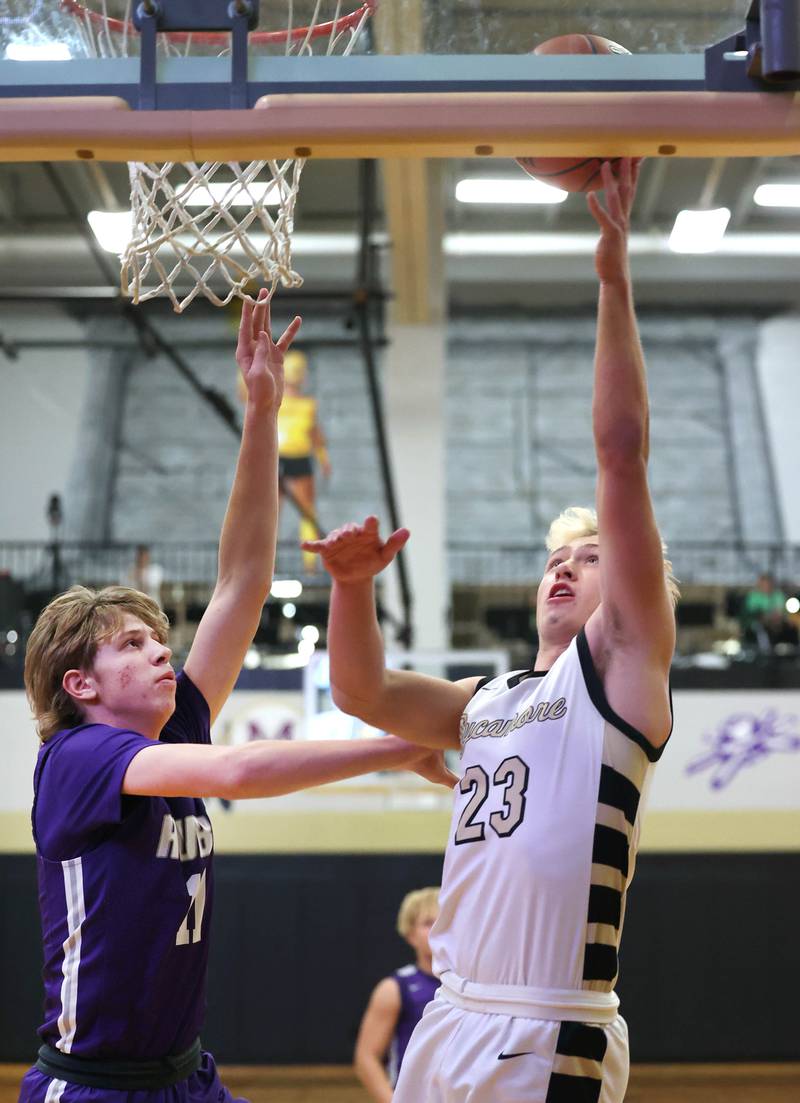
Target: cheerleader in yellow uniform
300, 440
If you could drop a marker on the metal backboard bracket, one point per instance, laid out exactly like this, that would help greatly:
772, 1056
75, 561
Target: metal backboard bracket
763, 56
154, 17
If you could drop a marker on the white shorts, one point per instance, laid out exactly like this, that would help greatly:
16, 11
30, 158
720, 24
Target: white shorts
461, 1056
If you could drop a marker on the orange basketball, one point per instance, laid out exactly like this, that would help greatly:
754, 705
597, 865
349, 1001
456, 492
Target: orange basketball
570, 173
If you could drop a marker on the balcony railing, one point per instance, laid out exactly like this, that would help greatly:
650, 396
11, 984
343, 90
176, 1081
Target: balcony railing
732, 564
55, 565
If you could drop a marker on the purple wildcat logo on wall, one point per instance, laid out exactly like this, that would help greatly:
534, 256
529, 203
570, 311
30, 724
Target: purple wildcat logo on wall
743, 739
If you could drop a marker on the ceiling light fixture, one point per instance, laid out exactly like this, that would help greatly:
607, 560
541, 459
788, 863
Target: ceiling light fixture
777, 195
505, 191
234, 194
583, 244
575, 244
286, 588
699, 231
113, 229
40, 51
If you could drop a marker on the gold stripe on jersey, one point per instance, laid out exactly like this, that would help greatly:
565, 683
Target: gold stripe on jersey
613, 817
623, 773
577, 1066
573, 1089
607, 875
577, 1074
602, 932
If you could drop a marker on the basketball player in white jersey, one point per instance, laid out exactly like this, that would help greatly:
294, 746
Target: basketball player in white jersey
555, 760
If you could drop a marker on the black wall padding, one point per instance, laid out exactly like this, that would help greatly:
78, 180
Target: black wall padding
709, 967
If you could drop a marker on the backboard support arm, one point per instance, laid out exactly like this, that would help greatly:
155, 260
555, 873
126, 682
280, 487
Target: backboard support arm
239, 17
763, 56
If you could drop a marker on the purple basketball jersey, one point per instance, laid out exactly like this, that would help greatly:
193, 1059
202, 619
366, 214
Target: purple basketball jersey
125, 892
416, 992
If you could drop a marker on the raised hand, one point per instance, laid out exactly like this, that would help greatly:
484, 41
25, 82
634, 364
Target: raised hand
354, 553
611, 256
260, 359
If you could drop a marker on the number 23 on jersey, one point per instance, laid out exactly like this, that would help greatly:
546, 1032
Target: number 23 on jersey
512, 775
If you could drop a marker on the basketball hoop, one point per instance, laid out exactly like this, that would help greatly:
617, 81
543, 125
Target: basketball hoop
196, 226
107, 36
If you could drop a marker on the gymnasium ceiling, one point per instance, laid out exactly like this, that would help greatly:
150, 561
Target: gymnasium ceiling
421, 230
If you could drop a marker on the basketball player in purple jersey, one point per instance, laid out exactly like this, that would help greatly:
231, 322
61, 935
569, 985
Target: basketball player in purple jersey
124, 844
555, 760
396, 1004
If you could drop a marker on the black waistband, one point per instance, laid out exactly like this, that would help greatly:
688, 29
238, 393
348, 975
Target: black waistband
161, 1072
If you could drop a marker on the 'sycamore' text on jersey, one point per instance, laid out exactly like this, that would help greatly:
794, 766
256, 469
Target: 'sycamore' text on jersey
544, 832
125, 892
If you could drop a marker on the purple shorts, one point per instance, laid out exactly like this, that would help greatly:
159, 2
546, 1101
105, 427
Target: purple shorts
203, 1086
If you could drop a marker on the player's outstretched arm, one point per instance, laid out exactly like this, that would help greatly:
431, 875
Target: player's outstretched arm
636, 613
272, 769
249, 531
374, 1036
417, 707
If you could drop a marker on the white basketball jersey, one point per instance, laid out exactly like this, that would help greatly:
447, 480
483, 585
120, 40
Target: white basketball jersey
544, 832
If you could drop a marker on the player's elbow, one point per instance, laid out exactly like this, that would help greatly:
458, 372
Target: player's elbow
262, 769
235, 778
360, 707
363, 1060
621, 444
343, 701
241, 591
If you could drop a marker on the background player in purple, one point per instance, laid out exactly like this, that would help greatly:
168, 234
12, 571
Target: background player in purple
124, 844
397, 1002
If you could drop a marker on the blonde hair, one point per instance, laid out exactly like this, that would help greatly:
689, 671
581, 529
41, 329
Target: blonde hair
414, 906
295, 365
66, 636
577, 522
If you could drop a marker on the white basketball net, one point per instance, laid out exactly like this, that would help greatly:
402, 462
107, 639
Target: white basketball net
232, 231
216, 228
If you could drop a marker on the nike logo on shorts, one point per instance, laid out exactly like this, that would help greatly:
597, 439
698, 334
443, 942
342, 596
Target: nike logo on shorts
507, 1056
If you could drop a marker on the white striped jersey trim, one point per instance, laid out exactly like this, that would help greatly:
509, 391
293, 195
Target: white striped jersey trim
55, 1089
76, 914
